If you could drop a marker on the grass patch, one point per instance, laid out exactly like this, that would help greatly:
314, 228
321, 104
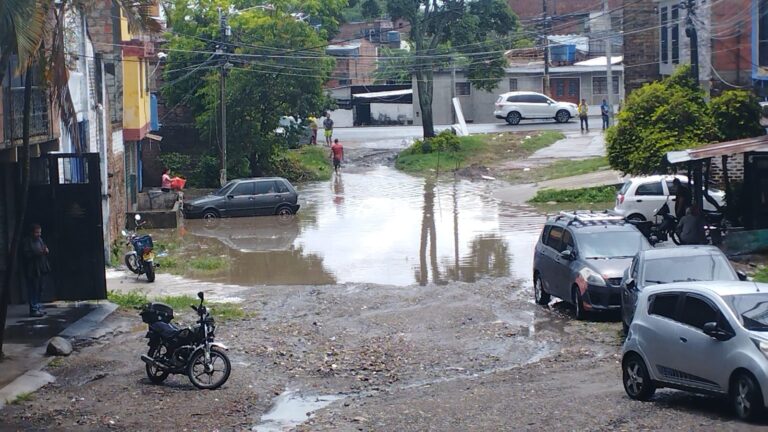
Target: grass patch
228, 311
130, 300
315, 161
135, 299
57, 362
761, 275
22, 397
558, 169
208, 263
599, 194
484, 149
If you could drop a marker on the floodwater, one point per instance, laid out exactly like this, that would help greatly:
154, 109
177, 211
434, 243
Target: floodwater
290, 409
373, 226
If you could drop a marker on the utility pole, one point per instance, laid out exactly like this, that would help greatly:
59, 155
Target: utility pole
453, 89
224, 32
546, 48
690, 31
608, 54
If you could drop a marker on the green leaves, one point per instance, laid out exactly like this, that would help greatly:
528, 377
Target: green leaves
737, 115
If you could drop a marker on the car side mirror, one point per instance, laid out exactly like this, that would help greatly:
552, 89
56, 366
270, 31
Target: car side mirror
230, 196
742, 276
568, 254
631, 284
712, 330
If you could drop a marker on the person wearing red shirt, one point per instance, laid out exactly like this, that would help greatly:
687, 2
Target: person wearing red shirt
337, 153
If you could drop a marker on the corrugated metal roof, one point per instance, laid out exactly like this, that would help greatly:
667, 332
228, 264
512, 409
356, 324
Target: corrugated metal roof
725, 148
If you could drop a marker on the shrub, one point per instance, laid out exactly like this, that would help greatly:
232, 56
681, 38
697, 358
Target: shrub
737, 115
177, 163
445, 141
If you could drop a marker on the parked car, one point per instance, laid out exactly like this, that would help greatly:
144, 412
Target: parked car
669, 265
581, 257
640, 197
519, 105
704, 337
246, 197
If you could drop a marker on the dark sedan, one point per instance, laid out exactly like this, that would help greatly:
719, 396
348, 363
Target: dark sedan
246, 197
668, 265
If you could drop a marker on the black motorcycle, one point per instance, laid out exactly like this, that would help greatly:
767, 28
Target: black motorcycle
141, 258
190, 351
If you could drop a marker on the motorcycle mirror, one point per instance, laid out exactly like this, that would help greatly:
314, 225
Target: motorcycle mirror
137, 217
200, 295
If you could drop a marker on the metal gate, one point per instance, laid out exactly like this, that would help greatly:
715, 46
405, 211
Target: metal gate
65, 199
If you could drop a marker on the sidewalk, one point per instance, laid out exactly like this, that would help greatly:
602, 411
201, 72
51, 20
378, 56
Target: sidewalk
26, 339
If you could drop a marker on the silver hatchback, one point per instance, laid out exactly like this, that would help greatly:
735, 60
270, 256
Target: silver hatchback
704, 337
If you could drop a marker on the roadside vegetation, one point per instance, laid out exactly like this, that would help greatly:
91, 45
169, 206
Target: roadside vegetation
135, 299
761, 275
447, 152
590, 195
558, 169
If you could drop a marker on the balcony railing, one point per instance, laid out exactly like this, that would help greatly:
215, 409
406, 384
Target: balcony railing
39, 121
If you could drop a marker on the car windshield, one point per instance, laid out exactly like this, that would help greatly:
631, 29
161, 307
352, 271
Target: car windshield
625, 187
752, 309
610, 244
223, 190
687, 268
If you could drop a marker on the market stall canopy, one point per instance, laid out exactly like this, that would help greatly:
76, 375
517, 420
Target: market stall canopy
725, 148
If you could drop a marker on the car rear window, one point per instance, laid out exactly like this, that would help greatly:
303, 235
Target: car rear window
650, 189
265, 187
687, 269
625, 187
663, 305
282, 187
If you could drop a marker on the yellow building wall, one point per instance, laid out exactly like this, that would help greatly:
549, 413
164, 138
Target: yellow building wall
136, 99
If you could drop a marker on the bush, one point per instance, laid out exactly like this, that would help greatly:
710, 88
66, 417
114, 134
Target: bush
737, 115
445, 141
177, 163
597, 194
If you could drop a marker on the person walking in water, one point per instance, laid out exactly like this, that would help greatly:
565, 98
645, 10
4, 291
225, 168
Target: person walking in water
583, 112
337, 153
328, 126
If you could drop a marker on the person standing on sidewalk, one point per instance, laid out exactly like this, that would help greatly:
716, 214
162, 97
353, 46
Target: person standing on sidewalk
328, 126
37, 266
313, 129
337, 153
605, 112
583, 112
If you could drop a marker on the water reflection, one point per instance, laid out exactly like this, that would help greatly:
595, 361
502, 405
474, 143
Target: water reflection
377, 226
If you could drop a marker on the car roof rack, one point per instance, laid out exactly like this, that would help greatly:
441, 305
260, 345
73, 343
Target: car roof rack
589, 217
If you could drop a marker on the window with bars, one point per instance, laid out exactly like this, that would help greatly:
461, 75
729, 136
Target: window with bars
513, 84
664, 34
600, 85
463, 89
675, 37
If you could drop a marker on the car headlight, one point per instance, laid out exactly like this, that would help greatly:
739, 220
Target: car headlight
592, 277
762, 346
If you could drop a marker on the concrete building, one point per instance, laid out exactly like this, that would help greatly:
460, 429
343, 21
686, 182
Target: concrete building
355, 63
568, 84
572, 16
640, 33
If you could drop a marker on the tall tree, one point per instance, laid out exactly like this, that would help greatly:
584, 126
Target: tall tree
370, 9
472, 29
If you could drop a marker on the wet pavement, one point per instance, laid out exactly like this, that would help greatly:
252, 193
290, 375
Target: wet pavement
374, 225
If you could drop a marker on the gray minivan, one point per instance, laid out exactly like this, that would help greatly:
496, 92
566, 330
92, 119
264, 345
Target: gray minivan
246, 197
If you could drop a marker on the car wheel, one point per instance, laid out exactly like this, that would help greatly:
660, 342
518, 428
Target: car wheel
636, 379
542, 297
562, 116
636, 217
210, 218
746, 397
514, 118
284, 211
578, 304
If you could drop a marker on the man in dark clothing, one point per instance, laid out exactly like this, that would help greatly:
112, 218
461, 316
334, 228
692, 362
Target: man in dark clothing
682, 198
691, 227
36, 267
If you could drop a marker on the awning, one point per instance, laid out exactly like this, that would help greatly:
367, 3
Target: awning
726, 148
380, 94
600, 61
153, 137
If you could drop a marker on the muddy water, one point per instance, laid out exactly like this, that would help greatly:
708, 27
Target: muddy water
376, 226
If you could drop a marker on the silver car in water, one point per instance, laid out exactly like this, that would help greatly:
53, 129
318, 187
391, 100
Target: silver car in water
704, 337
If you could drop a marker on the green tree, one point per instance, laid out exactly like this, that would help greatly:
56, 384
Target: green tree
737, 115
277, 68
394, 66
472, 29
657, 118
371, 9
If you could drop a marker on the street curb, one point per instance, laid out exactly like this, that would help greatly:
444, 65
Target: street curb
36, 378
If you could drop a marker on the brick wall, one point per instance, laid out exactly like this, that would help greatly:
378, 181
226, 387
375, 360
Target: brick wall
731, 42
641, 55
735, 169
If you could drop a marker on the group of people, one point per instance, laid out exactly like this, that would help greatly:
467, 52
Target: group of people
337, 150
583, 110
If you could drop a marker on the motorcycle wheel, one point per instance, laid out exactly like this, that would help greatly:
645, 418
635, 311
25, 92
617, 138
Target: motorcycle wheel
156, 375
218, 374
675, 238
132, 262
150, 271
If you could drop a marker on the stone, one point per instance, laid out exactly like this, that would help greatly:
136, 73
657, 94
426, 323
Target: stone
58, 346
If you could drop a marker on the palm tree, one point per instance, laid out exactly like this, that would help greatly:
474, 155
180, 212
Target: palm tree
33, 30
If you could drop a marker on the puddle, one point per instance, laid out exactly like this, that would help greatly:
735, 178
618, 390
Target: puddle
36, 331
291, 409
375, 225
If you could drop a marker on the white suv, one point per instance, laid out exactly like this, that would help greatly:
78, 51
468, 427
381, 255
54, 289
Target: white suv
641, 197
516, 106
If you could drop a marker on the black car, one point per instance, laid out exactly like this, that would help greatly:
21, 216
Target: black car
246, 197
581, 257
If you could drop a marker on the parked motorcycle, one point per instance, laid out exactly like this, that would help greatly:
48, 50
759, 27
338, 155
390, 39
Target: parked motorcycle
190, 351
141, 259
665, 227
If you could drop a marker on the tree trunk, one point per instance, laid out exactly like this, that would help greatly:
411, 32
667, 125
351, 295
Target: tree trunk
18, 227
425, 90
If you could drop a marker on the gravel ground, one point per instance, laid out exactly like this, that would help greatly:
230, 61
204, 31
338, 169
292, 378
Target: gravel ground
449, 357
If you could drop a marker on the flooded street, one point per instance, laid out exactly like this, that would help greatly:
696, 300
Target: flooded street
376, 225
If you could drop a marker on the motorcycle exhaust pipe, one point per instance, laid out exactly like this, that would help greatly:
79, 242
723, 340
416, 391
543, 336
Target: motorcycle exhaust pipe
150, 361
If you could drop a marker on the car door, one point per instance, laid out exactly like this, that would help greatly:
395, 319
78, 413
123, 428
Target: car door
566, 268
267, 197
540, 106
702, 356
240, 200
648, 197
658, 334
549, 267
518, 103
629, 294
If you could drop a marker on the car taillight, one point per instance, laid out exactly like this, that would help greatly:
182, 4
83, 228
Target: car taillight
620, 198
